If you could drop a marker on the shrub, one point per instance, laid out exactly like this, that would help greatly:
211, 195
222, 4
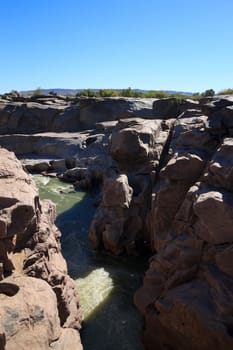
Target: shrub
226, 92
37, 92
208, 93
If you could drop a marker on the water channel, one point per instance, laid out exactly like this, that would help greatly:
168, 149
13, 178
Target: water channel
106, 284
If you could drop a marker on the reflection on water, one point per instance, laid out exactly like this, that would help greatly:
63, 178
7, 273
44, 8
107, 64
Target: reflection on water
106, 284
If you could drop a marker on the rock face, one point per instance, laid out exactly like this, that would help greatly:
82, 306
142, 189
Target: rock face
167, 173
120, 222
60, 114
171, 186
171, 107
34, 117
94, 110
29, 317
186, 297
39, 302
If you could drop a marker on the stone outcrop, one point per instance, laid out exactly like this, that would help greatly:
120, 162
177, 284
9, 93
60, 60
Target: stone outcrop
39, 301
120, 222
186, 297
59, 114
166, 168
171, 107
29, 316
171, 186
93, 110
35, 117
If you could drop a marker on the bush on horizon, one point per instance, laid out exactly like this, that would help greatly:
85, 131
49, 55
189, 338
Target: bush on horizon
129, 92
37, 92
226, 92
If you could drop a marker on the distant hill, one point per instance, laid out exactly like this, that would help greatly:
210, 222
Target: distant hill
58, 91
167, 91
61, 91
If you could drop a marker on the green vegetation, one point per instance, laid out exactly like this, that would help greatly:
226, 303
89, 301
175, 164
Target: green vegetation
37, 92
108, 93
129, 92
226, 92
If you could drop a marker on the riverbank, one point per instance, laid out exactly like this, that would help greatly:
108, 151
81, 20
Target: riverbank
106, 284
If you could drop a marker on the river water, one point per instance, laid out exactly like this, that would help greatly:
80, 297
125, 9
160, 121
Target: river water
106, 284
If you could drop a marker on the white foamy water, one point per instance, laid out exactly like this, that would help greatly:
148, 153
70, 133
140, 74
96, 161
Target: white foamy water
41, 180
105, 283
94, 289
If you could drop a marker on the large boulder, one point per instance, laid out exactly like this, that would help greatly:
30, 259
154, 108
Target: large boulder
107, 228
211, 105
29, 316
221, 121
194, 136
220, 170
137, 144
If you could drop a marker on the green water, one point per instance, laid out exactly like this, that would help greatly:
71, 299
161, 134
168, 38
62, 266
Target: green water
106, 284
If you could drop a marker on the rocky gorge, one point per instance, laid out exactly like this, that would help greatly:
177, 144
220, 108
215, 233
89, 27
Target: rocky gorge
39, 303
165, 171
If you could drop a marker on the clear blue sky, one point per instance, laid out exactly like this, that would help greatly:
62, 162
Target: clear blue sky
180, 45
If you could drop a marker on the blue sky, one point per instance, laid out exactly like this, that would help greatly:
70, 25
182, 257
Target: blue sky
149, 44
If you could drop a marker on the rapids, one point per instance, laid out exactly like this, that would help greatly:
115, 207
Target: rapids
106, 284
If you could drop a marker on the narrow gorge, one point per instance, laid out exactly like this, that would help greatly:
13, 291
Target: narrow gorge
147, 180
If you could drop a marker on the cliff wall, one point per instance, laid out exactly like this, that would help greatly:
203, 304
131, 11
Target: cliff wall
39, 305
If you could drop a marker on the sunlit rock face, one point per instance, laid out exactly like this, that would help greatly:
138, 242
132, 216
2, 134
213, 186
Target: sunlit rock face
95, 110
33, 115
172, 186
120, 222
29, 249
186, 298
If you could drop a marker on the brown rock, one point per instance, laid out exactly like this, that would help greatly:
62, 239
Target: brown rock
107, 227
220, 169
186, 297
186, 167
30, 245
224, 260
214, 227
29, 318
117, 192
191, 135
133, 143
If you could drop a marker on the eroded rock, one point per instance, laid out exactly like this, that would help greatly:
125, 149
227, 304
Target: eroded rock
186, 296
120, 222
32, 311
